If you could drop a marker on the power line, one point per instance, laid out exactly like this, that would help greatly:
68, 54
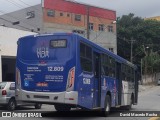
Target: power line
24, 3
105, 27
17, 20
10, 16
30, 6
17, 25
18, 5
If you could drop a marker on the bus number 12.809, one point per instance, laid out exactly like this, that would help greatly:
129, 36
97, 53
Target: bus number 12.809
55, 68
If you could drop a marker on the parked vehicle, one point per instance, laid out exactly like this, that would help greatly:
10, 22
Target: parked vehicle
7, 96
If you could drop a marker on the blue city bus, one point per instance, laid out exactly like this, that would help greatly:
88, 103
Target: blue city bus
68, 71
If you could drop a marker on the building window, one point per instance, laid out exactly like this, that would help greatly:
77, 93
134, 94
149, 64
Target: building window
78, 31
30, 14
110, 28
51, 13
38, 29
111, 49
101, 27
68, 15
61, 14
91, 26
77, 17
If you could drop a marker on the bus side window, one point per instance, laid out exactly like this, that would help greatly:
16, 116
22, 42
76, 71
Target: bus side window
112, 67
86, 57
102, 70
82, 49
105, 69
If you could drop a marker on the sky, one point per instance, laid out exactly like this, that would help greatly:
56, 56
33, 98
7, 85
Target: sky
141, 8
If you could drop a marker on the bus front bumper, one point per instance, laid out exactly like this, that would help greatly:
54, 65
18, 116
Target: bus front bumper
50, 97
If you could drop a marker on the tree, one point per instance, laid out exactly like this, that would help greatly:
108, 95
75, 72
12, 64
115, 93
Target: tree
145, 34
127, 28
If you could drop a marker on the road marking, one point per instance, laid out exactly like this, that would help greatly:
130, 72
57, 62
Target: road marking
154, 118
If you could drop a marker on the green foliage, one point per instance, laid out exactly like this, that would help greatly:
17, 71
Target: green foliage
145, 34
151, 63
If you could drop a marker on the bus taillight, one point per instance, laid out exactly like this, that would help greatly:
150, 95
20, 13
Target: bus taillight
18, 78
71, 77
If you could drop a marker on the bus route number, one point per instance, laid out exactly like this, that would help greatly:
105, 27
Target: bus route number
86, 81
50, 69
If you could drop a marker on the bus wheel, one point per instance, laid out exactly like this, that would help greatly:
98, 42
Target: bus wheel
62, 107
107, 106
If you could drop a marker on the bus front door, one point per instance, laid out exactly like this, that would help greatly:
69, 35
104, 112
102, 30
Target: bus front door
137, 77
97, 78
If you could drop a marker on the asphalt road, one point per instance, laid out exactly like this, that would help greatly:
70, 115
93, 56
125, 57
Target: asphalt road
149, 100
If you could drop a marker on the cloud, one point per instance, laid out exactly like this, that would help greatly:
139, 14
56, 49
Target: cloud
13, 5
141, 8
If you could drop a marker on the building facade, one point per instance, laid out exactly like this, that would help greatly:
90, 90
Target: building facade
62, 15
28, 19
153, 18
66, 16
8, 50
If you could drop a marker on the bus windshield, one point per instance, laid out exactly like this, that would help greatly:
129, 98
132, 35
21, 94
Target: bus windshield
42, 48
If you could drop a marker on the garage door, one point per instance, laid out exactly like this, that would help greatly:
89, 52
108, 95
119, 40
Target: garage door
8, 68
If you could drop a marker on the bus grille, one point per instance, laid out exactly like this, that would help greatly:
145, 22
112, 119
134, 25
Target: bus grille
41, 97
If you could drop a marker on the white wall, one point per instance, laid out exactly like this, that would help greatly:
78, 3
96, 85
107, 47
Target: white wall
8, 42
148, 79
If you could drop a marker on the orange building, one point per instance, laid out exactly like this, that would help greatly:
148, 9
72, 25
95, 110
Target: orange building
153, 18
68, 16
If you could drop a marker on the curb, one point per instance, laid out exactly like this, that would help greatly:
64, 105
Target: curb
154, 118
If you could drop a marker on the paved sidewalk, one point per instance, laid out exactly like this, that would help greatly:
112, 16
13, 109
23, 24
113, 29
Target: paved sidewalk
145, 87
154, 118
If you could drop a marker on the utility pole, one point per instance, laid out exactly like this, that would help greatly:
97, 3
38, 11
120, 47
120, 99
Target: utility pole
87, 7
131, 50
141, 71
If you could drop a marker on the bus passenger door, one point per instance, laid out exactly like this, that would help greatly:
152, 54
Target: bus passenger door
119, 78
97, 78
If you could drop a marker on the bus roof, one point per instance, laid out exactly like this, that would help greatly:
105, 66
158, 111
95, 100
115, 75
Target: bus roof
117, 58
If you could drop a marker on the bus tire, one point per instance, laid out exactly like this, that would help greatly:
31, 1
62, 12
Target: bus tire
62, 107
11, 104
38, 106
107, 106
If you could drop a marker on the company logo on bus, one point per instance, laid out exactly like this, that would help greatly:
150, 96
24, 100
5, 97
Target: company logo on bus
42, 84
43, 52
